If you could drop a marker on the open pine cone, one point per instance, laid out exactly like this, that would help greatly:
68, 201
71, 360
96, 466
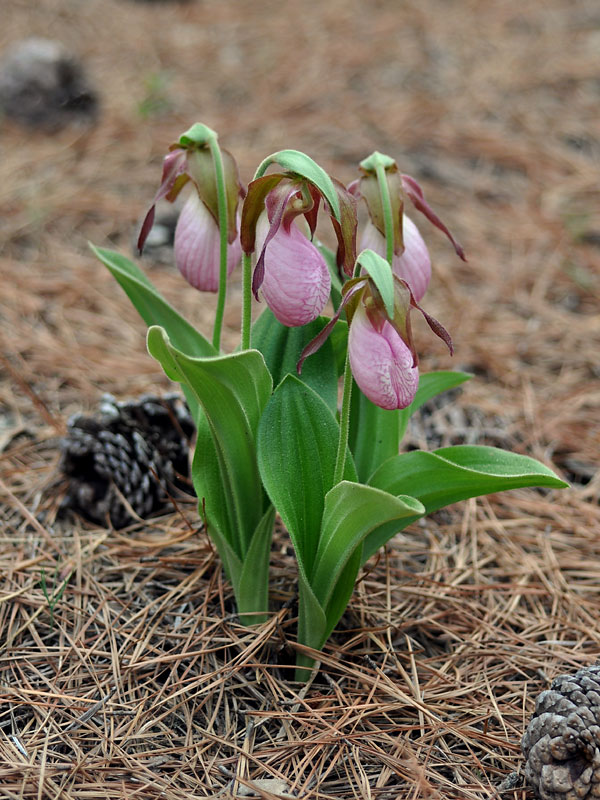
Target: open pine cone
134, 451
562, 741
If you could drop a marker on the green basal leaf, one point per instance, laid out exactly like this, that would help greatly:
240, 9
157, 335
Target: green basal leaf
434, 383
281, 347
151, 306
430, 385
155, 310
382, 534
340, 596
232, 391
451, 474
297, 446
312, 625
374, 434
249, 580
352, 511
381, 273
214, 502
252, 590
301, 164
456, 473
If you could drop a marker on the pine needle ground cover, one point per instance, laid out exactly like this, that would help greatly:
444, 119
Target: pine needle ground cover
123, 671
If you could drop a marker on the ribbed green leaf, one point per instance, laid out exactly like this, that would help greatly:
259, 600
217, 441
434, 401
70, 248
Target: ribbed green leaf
312, 625
374, 434
252, 590
155, 310
451, 474
430, 385
282, 346
297, 445
351, 512
151, 306
214, 501
232, 391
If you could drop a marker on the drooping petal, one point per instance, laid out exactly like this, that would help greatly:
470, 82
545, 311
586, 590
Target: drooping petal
172, 181
296, 282
254, 206
277, 204
351, 294
417, 198
197, 246
381, 362
345, 230
413, 265
435, 326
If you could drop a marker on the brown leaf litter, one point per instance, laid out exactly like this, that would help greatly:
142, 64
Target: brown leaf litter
137, 680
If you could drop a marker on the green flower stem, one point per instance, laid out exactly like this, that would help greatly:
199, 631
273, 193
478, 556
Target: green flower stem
340, 461
223, 229
246, 300
386, 203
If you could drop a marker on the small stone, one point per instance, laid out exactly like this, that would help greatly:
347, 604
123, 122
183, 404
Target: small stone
42, 85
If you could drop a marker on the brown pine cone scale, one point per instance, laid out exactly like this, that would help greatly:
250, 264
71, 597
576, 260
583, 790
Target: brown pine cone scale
562, 741
137, 451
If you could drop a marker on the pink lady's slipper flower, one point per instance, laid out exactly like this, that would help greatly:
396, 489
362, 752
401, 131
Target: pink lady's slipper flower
413, 265
197, 246
381, 350
411, 261
382, 364
296, 282
197, 237
290, 271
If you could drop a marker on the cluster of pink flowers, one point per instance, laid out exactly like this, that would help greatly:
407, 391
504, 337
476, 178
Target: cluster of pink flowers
291, 273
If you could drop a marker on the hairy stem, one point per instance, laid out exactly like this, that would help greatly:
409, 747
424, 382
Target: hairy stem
386, 204
223, 229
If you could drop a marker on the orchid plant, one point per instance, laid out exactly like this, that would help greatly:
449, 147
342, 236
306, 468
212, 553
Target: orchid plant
271, 435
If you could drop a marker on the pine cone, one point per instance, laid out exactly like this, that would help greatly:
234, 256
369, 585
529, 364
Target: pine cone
136, 450
562, 742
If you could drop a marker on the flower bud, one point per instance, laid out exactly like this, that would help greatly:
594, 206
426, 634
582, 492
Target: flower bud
413, 265
381, 362
296, 281
197, 246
